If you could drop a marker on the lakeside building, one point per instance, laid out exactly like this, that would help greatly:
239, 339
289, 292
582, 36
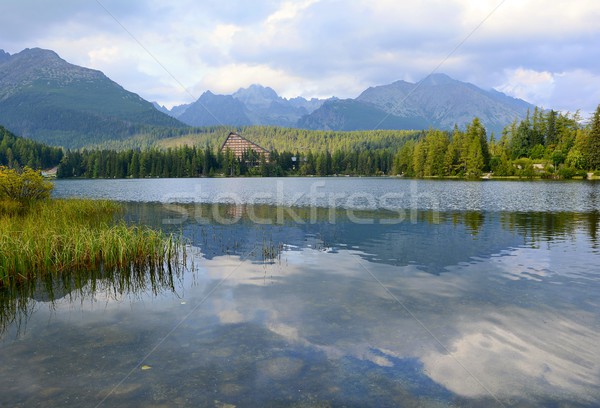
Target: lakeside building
240, 145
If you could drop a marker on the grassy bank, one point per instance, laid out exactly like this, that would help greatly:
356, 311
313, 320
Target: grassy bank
64, 236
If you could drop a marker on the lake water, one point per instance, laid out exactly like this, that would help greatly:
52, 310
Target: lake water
327, 292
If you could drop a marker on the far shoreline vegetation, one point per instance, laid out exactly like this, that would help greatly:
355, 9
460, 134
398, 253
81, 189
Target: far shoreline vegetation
546, 144
61, 237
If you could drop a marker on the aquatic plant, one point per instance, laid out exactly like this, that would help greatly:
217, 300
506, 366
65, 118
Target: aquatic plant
61, 236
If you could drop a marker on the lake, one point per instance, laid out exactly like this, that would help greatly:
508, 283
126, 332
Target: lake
317, 292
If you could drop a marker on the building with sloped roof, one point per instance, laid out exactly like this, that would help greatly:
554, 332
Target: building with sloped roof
240, 145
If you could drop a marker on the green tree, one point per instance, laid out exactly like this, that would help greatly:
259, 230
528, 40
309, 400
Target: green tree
538, 128
521, 138
576, 160
437, 147
419, 159
321, 165
475, 160
478, 152
593, 145
134, 166
461, 145
551, 134
403, 160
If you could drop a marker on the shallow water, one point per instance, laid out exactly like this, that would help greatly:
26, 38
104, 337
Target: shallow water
444, 307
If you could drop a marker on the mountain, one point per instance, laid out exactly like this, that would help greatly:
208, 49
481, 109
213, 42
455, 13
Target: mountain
437, 101
45, 98
4, 56
350, 114
215, 110
265, 107
160, 108
441, 102
255, 105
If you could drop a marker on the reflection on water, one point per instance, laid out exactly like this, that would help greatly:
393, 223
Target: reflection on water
430, 240
19, 300
441, 309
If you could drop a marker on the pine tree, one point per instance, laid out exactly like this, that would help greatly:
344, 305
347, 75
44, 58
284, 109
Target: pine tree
478, 156
419, 158
551, 135
538, 129
593, 149
475, 160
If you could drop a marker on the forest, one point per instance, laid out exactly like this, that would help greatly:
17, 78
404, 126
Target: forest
546, 144
17, 152
198, 154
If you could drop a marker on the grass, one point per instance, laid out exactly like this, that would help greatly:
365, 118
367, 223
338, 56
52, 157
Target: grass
67, 236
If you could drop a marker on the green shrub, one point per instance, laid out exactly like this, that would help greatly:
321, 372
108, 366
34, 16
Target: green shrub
567, 172
23, 187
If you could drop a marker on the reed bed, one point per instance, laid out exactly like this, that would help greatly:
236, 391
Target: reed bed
63, 236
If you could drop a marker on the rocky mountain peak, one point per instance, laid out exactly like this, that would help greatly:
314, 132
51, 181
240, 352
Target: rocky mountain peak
437, 79
48, 99
4, 56
257, 95
37, 64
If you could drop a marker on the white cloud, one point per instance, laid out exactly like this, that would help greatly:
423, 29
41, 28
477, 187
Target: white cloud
536, 87
230, 78
288, 11
503, 355
310, 46
103, 55
559, 90
577, 89
489, 347
222, 35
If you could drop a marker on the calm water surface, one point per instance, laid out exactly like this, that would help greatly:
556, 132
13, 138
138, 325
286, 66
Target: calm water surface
350, 192
405, 293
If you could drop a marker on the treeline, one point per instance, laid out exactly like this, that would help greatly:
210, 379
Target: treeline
192, 161
546, 144
197, 154
319, 141
18, 152
269, 137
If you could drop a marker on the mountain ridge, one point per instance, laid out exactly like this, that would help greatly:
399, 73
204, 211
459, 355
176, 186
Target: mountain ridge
214, 110
444, 102
437, 101
47, 99
256, 105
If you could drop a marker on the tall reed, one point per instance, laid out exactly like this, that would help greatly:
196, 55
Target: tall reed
62, 236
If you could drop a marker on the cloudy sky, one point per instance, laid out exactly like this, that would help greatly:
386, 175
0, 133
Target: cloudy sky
546, 52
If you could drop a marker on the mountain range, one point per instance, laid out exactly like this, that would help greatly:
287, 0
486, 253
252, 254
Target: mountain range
255, 105
438, 101
45, 98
